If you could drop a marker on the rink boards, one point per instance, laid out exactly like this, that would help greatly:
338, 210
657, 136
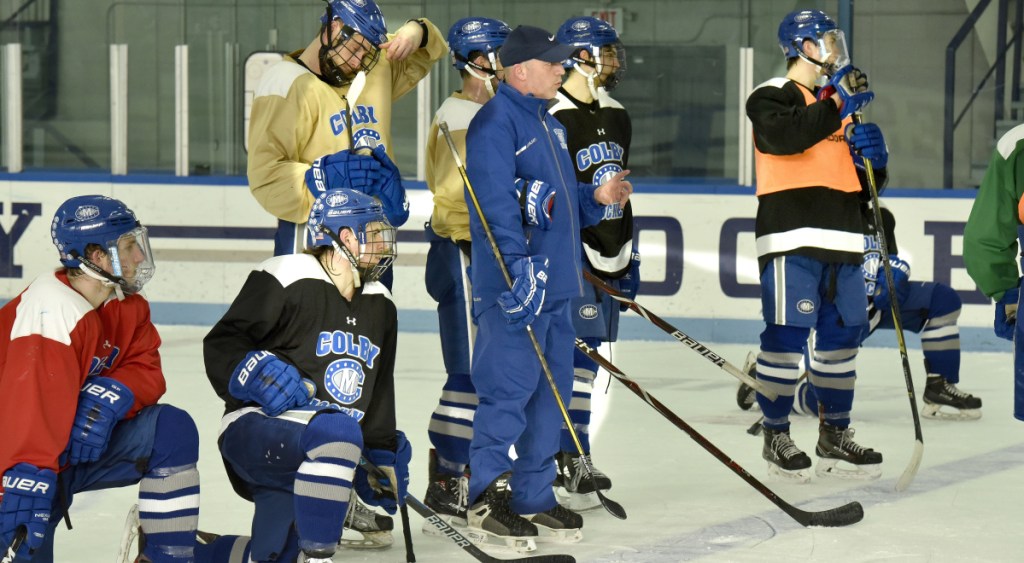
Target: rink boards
699, 264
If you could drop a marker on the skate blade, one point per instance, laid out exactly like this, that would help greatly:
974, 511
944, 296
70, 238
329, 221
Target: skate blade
777, 473
454, 521
831, 469
499, 545
945, 412
130, 536
577, 502
368, 540
553, 535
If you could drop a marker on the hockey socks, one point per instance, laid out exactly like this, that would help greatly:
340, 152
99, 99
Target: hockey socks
333, 443
451, 423
169, 490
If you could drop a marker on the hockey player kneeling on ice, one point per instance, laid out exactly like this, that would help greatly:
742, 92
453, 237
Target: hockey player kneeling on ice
80, 359
304, 359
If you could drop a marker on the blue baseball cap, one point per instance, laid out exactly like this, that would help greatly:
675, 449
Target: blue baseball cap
528, 42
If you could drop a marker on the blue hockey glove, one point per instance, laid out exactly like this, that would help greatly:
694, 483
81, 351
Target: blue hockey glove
866, 142
524, 302
629, 284
852, 86
901, 280
27, 501
389, 189
261, 377
537, 199
343, 169
1006, 313
101, 404
380, 492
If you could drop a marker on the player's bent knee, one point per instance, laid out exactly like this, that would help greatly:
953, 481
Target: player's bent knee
945, 301
176, 442
332, 434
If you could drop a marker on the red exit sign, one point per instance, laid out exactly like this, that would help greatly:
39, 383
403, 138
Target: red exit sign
613, 16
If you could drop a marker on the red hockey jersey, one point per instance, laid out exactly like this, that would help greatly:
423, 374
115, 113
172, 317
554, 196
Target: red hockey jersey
51, 339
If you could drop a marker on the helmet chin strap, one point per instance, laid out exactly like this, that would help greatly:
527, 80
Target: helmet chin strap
100, 275
487, 75
340, 248
590, 76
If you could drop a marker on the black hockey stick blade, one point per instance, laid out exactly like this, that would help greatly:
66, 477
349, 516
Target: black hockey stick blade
755, 428
12, 550
841, 516
844, 515
452, 534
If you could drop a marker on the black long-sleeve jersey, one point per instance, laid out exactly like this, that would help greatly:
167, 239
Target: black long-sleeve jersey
599, 136
290, 306
815, 221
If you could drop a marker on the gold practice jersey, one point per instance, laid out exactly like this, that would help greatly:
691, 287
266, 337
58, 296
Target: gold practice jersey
297, 118
450, 218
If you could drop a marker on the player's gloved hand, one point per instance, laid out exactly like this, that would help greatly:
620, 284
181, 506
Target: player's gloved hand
629, 284
901, 280
27, 500
866, 142
101, 404
343, 169
261, 377
389, 189
395, 464
1006, 313
852, 86
537, 200
524, 302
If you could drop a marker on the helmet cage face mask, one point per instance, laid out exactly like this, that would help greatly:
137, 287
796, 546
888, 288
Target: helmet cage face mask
362, 29
345, 209
348, 43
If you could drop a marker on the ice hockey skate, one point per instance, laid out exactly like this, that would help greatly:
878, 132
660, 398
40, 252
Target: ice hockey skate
494, 526
446, 495
374, 529
573, 488
133, 536
746, 396
557, 525
943, 401
785, 461
835, 446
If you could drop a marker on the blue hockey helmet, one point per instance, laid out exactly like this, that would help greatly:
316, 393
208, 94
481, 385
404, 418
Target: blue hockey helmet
600, 39
816, 26
476, 35
362, 214
360, 17
363, 16
107, 223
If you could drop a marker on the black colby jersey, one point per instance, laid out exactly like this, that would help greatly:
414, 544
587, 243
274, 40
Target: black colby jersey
290, 306
599, 137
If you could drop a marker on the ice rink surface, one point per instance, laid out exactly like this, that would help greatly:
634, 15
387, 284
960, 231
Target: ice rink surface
966, 503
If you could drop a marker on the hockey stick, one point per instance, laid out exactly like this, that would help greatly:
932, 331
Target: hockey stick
12, 550
355, 90
679, 335
614, 508
410, 556
844, 515
452, 534
915, 459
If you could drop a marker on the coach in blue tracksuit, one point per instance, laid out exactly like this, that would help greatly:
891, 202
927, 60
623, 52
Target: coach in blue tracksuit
523, 176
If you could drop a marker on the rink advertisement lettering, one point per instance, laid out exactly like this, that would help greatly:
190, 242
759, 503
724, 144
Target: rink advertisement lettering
697, 247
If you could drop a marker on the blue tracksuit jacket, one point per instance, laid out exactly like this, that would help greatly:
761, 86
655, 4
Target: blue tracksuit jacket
513, 136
